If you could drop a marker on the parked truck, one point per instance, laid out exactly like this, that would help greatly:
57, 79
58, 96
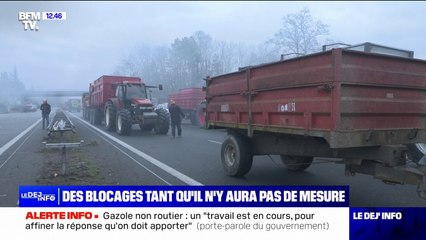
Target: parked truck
365, 110
192, 101
123, 101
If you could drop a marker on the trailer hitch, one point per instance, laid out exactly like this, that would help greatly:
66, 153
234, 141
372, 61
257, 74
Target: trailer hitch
406, 174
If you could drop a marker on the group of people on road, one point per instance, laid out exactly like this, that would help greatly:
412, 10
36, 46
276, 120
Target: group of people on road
176, 115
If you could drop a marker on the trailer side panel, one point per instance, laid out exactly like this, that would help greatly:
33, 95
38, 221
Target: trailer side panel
349, 98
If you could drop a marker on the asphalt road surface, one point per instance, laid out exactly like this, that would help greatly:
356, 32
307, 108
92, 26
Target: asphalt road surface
145, 158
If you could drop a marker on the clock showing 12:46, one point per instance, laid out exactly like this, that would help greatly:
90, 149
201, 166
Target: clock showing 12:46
54, 15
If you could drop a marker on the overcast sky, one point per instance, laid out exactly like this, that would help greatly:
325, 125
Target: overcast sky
69, 54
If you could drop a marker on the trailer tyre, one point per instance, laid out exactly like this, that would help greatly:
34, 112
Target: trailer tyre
94, 116
236, 155
85, 115
163, 122
417, 151
90, 114
110, 116
296, 163
124, 122
97, 118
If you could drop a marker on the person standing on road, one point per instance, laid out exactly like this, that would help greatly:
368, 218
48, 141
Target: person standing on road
176, 116
45, 111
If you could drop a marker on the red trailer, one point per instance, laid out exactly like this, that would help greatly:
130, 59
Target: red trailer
193, 102
100, 91
363, 108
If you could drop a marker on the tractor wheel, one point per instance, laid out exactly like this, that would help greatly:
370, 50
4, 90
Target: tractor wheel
296, 163
124, 122
236, 155
163, 121
110, 116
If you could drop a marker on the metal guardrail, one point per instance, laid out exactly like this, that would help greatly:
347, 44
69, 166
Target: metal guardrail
61, 123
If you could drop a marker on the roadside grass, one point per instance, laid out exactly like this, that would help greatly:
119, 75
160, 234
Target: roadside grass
76, 168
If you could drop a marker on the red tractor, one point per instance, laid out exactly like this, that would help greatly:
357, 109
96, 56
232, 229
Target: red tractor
124, 101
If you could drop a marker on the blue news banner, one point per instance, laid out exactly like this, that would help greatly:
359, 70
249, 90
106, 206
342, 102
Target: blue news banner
365, 223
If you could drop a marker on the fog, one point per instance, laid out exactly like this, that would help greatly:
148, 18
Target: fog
97, 36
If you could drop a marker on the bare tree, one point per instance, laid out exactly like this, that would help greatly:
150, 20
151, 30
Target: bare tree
190, 59
299, 34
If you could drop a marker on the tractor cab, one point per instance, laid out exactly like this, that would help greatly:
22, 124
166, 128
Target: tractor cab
132, 94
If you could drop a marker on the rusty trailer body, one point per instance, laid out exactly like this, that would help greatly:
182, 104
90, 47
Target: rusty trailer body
362, 107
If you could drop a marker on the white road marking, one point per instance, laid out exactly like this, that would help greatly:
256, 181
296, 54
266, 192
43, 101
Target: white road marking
212, 141
147, 157
134, 160
14, 140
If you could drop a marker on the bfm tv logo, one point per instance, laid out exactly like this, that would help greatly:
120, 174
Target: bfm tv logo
29, 19
39, 196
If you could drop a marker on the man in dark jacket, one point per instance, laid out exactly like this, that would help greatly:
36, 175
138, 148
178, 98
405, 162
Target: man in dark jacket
176, 116
45, 111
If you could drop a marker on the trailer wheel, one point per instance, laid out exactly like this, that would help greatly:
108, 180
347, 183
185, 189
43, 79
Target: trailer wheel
94, 116
296, 163
236, 155
90, 115
417, 151
163, 121
97, 118
110, 116
124, 122
85, 115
